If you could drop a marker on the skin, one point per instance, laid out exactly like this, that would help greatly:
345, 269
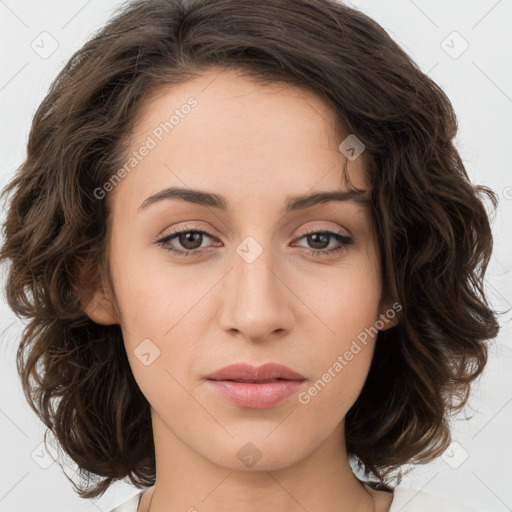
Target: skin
255, 145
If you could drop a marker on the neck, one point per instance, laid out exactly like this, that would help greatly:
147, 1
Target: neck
323, 480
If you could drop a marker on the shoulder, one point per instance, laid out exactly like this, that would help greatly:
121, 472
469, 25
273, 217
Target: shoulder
406, 499
130, 505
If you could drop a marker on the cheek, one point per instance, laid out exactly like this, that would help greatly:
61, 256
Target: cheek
342, 369
159, 322
348, 310
148, 295
345, 301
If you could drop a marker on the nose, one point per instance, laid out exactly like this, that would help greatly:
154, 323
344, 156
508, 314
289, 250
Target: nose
256, 300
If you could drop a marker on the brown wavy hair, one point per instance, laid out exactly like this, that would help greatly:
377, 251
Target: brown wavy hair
432, 226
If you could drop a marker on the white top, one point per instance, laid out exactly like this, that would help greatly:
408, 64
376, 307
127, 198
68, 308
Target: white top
405, 499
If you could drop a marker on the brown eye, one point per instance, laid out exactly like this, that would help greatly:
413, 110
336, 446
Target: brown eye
190, 240
185, 241
318, 241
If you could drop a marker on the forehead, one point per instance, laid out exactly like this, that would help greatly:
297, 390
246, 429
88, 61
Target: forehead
222, 130
228, 102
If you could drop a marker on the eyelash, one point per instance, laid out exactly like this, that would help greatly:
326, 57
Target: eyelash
343, 239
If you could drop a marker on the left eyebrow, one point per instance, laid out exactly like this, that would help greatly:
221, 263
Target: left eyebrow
292, 202
300, 202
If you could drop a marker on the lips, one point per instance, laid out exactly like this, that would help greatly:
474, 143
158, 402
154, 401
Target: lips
244, 372
253, 387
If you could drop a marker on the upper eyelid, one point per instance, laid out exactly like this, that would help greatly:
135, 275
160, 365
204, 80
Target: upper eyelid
333, 232
309, 231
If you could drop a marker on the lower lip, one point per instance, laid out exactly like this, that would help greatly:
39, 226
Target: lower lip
255, 395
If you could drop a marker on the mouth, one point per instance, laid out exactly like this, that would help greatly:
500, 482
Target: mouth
252, 387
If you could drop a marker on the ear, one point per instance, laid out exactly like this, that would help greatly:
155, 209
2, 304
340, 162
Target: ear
97, 303
99, 309
389, 315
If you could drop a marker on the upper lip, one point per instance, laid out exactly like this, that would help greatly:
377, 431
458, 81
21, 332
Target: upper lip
247, 372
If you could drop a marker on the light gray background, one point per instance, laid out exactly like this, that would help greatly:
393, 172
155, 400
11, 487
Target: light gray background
479, 83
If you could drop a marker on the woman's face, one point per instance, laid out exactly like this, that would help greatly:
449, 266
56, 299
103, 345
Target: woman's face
254, 286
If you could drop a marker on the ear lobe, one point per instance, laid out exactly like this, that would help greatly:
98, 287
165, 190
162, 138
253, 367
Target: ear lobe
388, 317
388, 322
99, 309
94, 298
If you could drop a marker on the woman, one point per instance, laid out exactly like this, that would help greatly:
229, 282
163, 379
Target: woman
249, 251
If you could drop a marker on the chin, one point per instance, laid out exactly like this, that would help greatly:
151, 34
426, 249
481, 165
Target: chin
259, 452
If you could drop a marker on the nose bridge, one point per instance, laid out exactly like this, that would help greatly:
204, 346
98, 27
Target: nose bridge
254, 296
252, 269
